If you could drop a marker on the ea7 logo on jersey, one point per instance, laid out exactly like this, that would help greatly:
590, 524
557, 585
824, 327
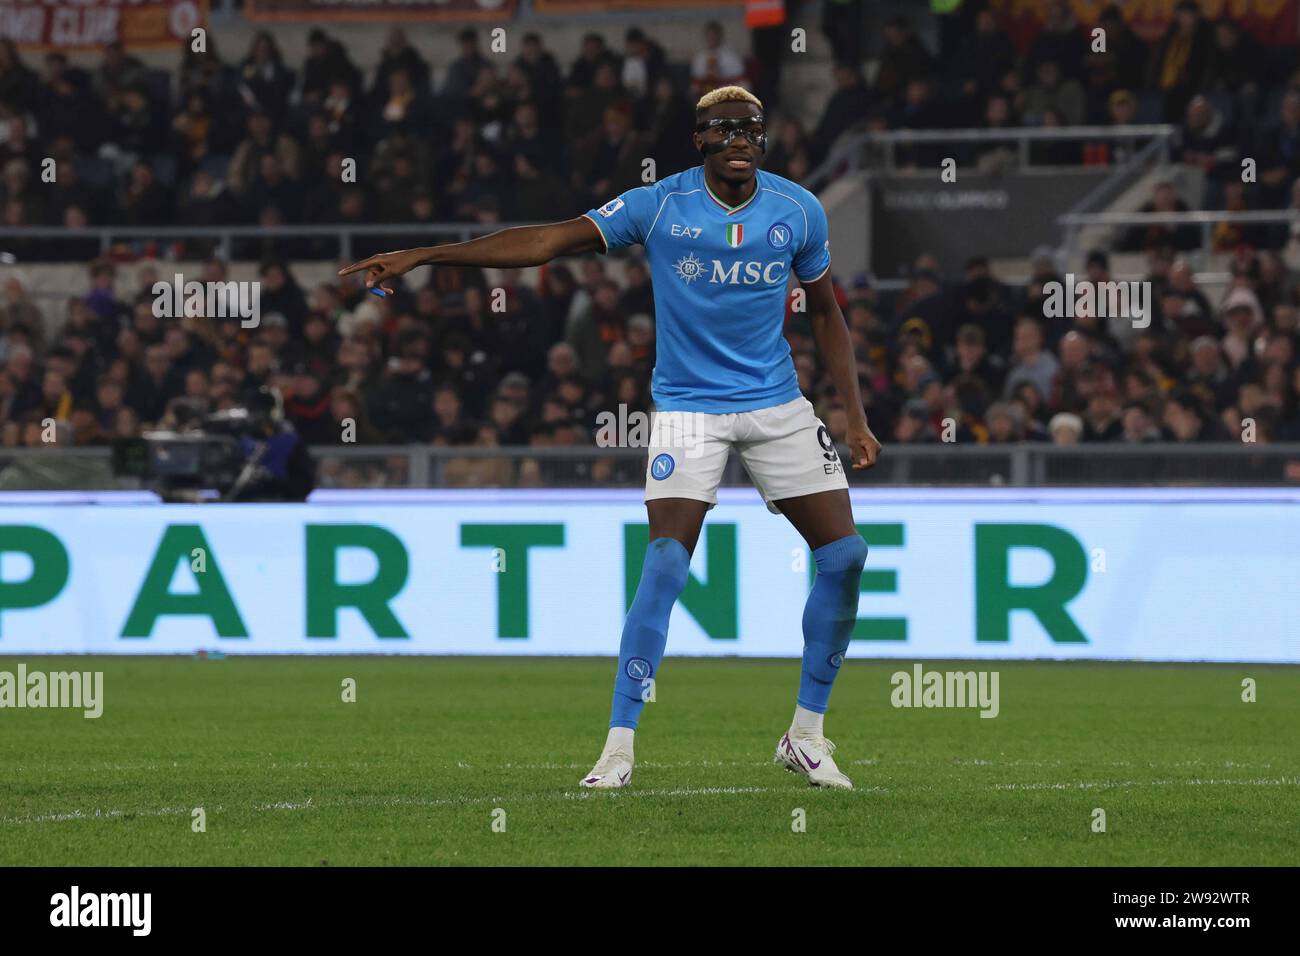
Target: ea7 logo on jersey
748, 273
611, 207
688, 232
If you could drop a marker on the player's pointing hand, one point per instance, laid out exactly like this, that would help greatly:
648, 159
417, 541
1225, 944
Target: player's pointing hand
386, 266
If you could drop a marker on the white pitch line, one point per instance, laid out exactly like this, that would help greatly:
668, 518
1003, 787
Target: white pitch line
1192, 782
313, 804
676, 792
640, 763
96, 814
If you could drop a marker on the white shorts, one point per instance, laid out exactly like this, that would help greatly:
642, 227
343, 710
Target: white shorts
786, 450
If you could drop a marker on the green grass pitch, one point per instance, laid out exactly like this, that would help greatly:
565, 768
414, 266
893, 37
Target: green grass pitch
412, 772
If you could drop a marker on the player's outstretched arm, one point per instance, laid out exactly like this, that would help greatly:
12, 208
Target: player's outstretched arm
509, 248
836, 348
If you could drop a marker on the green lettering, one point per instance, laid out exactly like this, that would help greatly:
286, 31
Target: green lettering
996, 597
514, 540
213, 599
49, 567
713, 603
876, 581
326, 595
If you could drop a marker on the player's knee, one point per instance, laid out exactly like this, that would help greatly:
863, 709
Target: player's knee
668, 561
857, 553
846, 554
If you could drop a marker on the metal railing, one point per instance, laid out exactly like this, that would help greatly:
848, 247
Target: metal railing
846, 156
1205, 220
849, 153
1026, 464
344, 234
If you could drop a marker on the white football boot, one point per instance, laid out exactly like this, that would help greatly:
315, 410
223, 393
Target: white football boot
810, 755
614, 768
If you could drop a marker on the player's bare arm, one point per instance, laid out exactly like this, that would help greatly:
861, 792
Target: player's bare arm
510, 248
831, 332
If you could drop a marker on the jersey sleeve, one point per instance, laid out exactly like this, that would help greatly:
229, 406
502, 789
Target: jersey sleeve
625, 221
814, 256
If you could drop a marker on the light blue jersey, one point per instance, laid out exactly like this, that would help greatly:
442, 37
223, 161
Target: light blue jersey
720, 278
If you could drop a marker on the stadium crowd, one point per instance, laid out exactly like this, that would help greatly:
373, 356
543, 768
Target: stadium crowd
972, 361
957, 355
257, 141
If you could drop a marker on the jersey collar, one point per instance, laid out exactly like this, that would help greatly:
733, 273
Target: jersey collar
731, 210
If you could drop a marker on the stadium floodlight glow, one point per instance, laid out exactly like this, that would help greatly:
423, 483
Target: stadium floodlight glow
753, 128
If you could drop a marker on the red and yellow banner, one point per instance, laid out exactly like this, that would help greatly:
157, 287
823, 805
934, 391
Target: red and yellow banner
1274, 22
597, 6
40, 25
373, 11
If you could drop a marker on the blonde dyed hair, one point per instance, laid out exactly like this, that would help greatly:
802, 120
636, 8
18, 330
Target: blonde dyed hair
727, 94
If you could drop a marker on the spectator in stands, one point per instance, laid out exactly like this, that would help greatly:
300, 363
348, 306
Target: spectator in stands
544, 78
1060, 41
1066, 428
247, 168
1179, 68
644, 63
1207, 141
399, 54
134, 129
464, 71
1126, 50
842, 25
846, 107
403, 107
587, 109
1052, 90
986, 54
716, 65
1279, 150
117, 70
143, 200
1061, 152
1005, 423
266, 81
904, 60
1186, 419
1164, 198
609, 160
1030, 361
59, 104
205, 72
326, 65
18, 84
1237, 65
105, 363
920, 108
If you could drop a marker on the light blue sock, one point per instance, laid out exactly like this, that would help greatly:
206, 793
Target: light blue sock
828, 618
645, 632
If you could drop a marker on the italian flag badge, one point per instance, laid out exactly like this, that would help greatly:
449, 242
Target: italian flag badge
735, 234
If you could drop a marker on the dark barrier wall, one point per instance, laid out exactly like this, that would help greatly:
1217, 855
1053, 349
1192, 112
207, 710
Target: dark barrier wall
998, 216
